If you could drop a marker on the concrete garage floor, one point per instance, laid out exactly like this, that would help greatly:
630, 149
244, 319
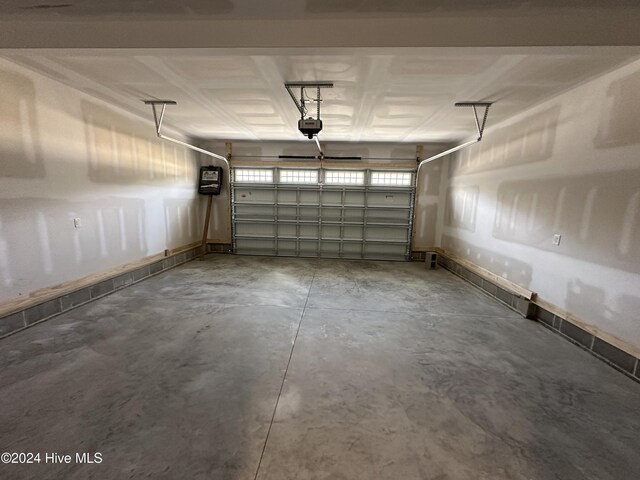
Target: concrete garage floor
273, 368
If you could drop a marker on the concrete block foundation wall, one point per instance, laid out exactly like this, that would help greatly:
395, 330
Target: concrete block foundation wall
70, 298
213, 247
619, 359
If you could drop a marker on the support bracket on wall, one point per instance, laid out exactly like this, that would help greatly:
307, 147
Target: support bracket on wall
475, 106
480, 127
159, 117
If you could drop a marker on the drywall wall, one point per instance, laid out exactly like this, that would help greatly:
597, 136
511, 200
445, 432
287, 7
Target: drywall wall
570, 166
429, 196
383, 155
67, 155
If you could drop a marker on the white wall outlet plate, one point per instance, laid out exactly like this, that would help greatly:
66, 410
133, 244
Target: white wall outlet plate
77, 223
556, 239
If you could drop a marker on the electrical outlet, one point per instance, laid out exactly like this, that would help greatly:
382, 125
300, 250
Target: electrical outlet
556, 239
76, 223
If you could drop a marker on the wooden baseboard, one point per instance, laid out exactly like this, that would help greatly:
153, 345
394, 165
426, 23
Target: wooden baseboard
224, 241
492, 277
427, 249
173, 251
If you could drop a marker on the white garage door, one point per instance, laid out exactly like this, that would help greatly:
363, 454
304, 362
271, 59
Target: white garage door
321, 212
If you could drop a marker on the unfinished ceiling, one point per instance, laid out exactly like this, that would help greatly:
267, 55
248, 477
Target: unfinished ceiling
406, 96
398, 66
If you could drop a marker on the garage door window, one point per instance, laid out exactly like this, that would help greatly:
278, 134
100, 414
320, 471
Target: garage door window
298, 176
343, 177
400, 179
253, 175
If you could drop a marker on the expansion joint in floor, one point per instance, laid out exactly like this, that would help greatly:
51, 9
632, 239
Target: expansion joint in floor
284, 377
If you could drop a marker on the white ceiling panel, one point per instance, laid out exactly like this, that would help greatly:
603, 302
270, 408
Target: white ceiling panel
400, 95
112, 70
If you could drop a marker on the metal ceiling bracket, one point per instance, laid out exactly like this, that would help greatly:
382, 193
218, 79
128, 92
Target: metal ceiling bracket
159, 117
300, 103
475, 105
309, 127
480, 128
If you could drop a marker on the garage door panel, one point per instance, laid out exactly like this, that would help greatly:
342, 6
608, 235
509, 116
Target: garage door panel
308, 247
307, 196
321, 220
353, 233
287, 246
352, 250
256, 229
287, 230
330, 249
309, 212
255, 195
389, 220
380, 233
384, 252
383, 199
254, 211
254, 246
354, 198
354, 214
287, 212
388, 215
332, 213
330, 231
309, 231
287, 196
